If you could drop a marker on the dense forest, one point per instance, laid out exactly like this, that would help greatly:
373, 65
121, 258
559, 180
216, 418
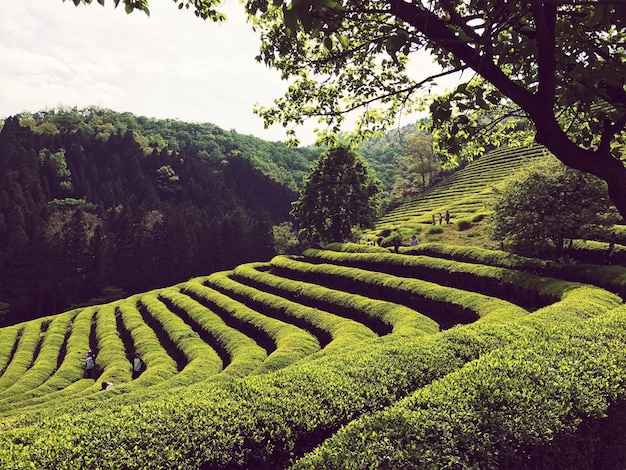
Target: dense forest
95, 205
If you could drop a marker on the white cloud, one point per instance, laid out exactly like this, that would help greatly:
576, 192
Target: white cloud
168, 65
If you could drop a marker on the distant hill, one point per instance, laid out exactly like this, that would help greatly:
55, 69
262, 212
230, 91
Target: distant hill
94, 202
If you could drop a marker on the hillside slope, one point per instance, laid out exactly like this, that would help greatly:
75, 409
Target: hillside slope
345, 357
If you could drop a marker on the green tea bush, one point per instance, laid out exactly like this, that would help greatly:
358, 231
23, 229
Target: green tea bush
435, 229
24, 353
200, 359
285, 343
464, 224
111, 351
8, 338
241, 355
534, 404
269, 421
43, 365
332, 331
446, 305
527, 290
380, 316
472, 254
159, 364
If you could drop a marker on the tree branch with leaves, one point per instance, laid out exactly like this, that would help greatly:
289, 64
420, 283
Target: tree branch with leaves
561, 63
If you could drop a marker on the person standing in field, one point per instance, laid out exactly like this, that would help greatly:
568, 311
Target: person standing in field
90, 364
414, 240
447, 217
137, 366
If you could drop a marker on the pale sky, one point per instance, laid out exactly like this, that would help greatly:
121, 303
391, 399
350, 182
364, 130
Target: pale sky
169, 65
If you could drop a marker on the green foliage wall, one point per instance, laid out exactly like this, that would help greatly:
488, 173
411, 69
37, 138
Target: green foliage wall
92, 198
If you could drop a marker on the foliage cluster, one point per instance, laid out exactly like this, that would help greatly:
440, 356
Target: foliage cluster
114, 201
522, 288
283, 342
448, 306
541, 402
546, 205
381, 316
271, 420
339, 193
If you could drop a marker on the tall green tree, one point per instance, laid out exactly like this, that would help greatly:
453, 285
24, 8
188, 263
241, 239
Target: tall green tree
543, 208
339, 194
417, 166
559, 64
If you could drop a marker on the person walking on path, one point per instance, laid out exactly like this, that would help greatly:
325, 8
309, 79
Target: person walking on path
440, 218
90, 364
447, 216
137, 366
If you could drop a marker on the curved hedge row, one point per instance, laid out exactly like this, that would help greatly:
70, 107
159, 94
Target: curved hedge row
611, 278
285, 343
67, 381
553, 399
24, 353
446, 305
268, 421
381, 316
525, 289
27, 384
240, 354
159, 364
9, 339
201, 361
112, 356
332, 331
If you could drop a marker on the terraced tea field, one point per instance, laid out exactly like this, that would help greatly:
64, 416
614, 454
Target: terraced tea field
465, 192
348, 357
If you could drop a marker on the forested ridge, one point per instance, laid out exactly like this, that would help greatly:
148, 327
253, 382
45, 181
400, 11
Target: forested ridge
96, 204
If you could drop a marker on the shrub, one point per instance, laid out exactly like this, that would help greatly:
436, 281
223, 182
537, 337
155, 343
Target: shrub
435, 229
464, 224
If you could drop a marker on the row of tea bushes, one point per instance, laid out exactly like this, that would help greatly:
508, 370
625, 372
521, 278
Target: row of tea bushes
332, 331
267, 421
379, 315
445, 305
470, 184
66, 382
612, 278
554, 399
240, 354
284, 342
24, 352
9, 337
112, 356
34, 361
525, 289
160, 366
199, 358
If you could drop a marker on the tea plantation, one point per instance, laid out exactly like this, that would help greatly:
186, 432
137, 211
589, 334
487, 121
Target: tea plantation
351, 356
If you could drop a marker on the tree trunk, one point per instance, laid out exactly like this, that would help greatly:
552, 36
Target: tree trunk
596, 162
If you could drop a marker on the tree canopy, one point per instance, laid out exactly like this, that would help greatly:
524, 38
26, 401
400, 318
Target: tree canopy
339, 194
546, 205
558, 64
